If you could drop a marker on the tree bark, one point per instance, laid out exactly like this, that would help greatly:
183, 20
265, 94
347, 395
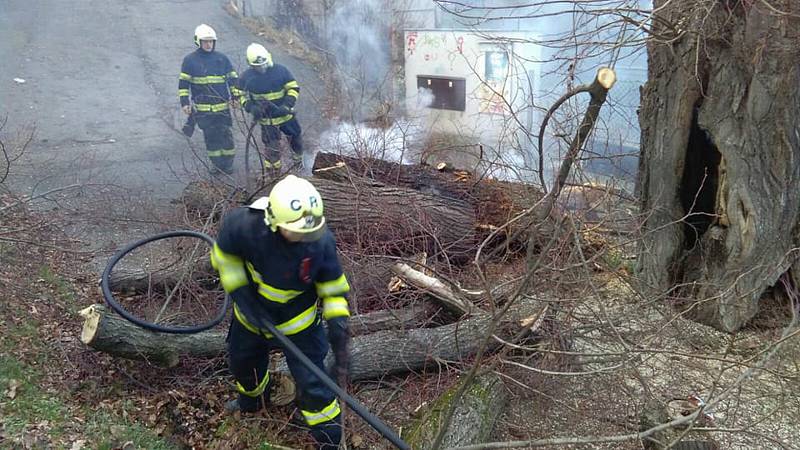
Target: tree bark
476, 413
105, 331
386, 220
494, 202
373, 355
397, 221
720, 166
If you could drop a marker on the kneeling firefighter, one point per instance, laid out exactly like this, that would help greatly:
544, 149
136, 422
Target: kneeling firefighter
276, 258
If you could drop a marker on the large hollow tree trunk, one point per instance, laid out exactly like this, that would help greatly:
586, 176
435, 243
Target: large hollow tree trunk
720, 159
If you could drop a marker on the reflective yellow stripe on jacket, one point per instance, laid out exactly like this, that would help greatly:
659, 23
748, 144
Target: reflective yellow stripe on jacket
271, 293
297, 324
280, 120
216, 107
334, 304
231, 270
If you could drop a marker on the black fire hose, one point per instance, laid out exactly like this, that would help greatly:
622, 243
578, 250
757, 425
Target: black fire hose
371, 419
262, 320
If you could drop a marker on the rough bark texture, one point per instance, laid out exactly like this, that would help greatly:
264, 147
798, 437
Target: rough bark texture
110, 333
494, 202
373, 355
397, 220
380, 219
474, 417
720, 150
105, 331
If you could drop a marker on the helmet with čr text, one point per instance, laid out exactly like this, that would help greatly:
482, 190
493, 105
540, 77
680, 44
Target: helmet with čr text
296, 206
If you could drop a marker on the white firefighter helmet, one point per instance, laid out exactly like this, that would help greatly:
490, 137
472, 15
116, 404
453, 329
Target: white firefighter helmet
257, 55
204, 32
296, 206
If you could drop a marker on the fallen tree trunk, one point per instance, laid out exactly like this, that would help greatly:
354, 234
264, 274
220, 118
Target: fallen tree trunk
396, 220
494, 202
373, 355
141, 280
475, 415
107, 332
383, 219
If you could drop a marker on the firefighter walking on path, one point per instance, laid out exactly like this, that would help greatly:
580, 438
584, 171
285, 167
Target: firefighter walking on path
276, 258
269, 92
209, 78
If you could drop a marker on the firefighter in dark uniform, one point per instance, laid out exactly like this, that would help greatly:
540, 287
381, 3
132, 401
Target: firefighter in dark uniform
208, 76
269, 92
276, 258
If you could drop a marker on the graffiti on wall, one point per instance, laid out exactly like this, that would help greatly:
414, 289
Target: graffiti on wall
434, 47
493, 92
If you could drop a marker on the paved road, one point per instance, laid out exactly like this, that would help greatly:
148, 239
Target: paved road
101, 89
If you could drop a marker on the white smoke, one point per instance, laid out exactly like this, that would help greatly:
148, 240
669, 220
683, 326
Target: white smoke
400, 143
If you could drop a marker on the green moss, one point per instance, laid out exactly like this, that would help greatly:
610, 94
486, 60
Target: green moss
423, 430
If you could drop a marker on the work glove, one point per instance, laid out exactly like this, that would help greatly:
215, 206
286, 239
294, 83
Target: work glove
188, 127
284, 110
290, 101
339, 337
257, 110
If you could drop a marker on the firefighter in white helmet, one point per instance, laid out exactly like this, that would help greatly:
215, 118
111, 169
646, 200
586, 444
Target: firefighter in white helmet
206, 87
269, 92
276, 258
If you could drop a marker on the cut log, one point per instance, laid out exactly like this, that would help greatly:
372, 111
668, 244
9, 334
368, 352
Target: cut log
494, 202
389, 220
396, 220
107, 332
110, 333
373, 355
475, 415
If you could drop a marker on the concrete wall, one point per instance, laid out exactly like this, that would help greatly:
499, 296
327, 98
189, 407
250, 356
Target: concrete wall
499, 81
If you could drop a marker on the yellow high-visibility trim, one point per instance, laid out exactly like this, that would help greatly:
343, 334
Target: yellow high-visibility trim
183, 92
291, 85
269, 95
276, 120
216, 107
271, 293
258, 390
333, 288
297, 324
335, 307
272, 165
224, 152
185, 76
300, 322
236, 92
328, 413
231, 269
293, 93
210, 79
